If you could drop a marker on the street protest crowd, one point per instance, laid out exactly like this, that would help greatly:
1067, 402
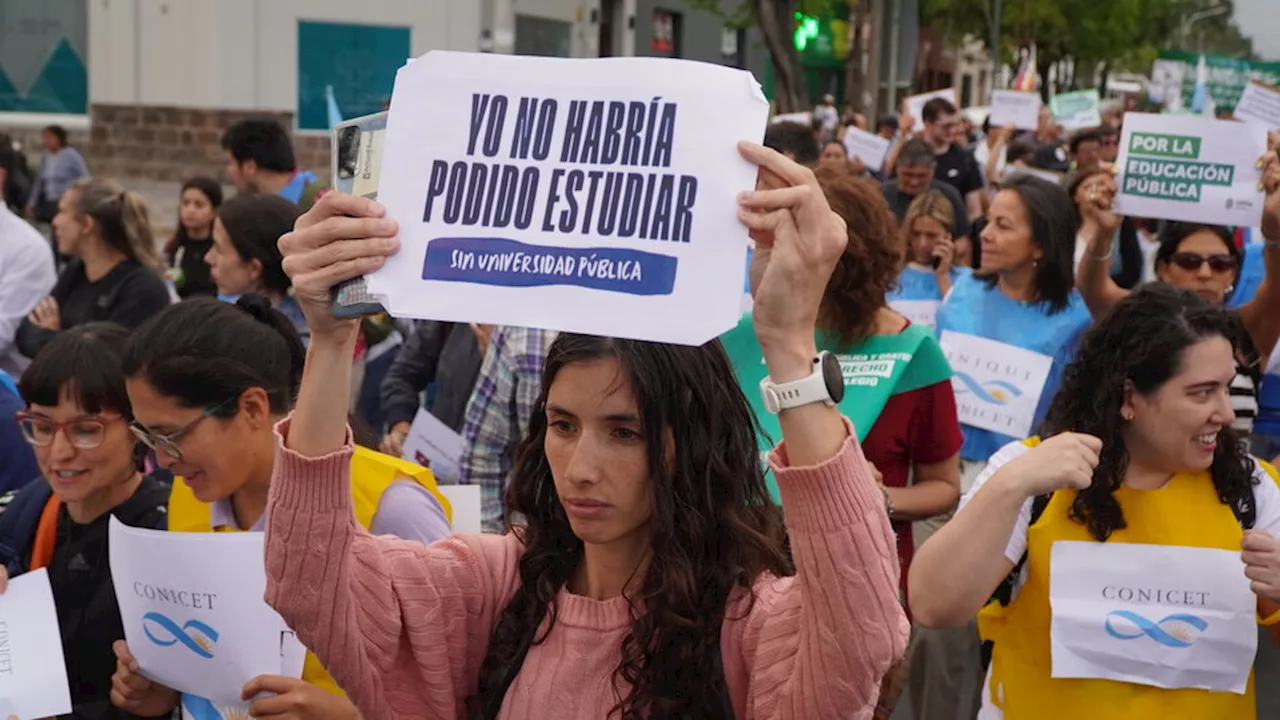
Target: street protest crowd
990, 431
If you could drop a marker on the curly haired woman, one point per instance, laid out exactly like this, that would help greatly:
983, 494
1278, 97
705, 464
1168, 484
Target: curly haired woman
649, 578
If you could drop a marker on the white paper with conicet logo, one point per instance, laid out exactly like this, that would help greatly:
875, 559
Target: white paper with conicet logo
1160, 615
998, 386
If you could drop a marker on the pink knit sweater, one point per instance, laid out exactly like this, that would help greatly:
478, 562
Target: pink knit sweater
403, 627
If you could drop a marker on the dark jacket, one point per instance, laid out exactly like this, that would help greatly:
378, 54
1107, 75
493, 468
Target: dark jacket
445, 354
80, 574
127, 295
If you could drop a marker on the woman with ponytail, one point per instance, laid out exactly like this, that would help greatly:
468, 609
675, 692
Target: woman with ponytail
76, 419
206, 377
114, 274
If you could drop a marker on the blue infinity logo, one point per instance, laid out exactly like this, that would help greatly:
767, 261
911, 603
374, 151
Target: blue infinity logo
200, 644
1176, 636
996, 392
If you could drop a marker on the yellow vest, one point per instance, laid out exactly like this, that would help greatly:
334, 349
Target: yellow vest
1184, 512
371, 474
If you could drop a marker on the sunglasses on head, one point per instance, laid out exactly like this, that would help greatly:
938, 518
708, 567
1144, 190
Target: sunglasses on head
1193, 261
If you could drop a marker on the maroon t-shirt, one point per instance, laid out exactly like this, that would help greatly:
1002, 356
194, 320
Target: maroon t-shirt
916, 427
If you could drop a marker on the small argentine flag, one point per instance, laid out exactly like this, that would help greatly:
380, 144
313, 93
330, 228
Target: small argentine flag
1201, 103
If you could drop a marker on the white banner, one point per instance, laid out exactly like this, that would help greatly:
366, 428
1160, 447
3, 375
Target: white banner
33, 672
193, 610
592, 196
1165, 616
1179, 167
998, 386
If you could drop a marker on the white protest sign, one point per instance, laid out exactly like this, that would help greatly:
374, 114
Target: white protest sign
998, 386
919, 312
1016, 108
1075, 110
916, 103
870, 148
33, 672
1194, 169
589, 196
1259, 104
193, 610
465, 502
432, 444
1159, 615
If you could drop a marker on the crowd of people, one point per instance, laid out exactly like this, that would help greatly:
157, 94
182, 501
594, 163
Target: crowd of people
667, 533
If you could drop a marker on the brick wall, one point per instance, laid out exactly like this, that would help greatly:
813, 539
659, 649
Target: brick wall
166, 144
174, 144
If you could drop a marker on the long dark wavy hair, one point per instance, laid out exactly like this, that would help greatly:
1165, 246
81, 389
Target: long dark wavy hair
715, 529
1141, 342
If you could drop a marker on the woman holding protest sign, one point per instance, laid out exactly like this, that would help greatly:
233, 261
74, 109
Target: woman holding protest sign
77, 421
208, 380
1124, 559
1201, 258
651, 577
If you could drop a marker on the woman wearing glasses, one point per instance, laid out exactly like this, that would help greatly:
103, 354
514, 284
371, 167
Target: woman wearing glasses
1197, 257
77, 420
208, 381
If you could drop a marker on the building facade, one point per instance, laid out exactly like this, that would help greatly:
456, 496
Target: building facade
146, 87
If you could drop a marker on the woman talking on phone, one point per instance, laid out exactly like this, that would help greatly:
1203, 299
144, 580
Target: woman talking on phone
650, 578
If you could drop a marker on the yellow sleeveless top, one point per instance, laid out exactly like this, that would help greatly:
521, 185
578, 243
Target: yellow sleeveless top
371, 474
1184, 512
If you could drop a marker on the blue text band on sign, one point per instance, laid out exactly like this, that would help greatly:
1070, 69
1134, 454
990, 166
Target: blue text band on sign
509, 263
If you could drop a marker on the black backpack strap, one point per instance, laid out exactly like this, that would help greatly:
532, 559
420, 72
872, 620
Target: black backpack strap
1004, 591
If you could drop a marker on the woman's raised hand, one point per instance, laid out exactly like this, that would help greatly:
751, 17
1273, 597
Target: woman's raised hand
341, 237
799, 240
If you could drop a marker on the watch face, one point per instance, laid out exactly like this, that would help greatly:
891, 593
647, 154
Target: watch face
833, 376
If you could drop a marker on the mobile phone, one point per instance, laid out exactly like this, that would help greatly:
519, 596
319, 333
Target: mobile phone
357, 168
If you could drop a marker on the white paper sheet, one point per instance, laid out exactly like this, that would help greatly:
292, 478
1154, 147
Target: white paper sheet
1259, 104
1165, 616
1195, 169
916, 103
1075, 110
465, 501
432, 444
512, 213
804, 118
33, 672
870, 148
1016, 108
998, 386
193, 609
919, 312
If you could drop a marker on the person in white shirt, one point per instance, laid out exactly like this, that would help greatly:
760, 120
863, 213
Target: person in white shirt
27, 273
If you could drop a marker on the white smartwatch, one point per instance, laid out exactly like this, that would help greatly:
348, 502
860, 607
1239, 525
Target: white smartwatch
825, 385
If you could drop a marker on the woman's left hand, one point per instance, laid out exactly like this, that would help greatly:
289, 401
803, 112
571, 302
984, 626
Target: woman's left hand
799, 240
1261, 555
293, 699
46, 315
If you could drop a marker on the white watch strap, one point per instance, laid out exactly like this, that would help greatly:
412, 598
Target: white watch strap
797, 393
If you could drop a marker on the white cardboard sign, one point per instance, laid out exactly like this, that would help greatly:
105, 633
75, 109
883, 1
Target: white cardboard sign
592, 196
1194, 169
870, 148
1016, 108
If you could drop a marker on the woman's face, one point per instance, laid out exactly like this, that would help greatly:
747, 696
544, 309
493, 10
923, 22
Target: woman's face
923, 234
231, 273
1007, 244
596, 449
196, 212
69, 225
215, 456
77, 474
1176, 427
1203, 265
835, 156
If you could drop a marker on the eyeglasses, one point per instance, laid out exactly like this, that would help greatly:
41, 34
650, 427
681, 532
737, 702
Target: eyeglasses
168, 443
85, 433
1192, 261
